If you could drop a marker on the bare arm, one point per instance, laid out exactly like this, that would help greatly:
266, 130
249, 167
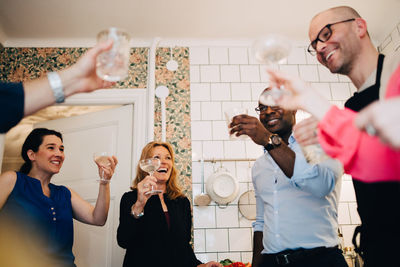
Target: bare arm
84, 211
285, 158
81, 77
257, 248
251, 126
7, 183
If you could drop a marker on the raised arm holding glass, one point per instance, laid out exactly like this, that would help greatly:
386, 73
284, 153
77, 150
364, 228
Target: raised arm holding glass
42, 208
155, 228
341, 42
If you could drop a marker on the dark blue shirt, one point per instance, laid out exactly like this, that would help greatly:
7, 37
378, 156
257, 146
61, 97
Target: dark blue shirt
11, 105
50, 217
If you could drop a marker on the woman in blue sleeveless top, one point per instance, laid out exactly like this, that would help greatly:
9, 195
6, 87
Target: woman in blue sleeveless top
36, 206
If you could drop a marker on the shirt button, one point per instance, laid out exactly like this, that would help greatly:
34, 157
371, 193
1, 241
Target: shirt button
275, 191
54, 219
52, 208
278, 235
276, 212
54, 213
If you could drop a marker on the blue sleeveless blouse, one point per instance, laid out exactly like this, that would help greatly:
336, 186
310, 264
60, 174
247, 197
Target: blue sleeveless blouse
50, 217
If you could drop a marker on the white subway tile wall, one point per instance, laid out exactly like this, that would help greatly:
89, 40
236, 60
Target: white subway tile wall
230, 73
218, 55
217, 240
226, 77
392, 43
209, 73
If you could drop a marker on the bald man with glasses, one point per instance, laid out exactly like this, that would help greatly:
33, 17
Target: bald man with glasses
340, 41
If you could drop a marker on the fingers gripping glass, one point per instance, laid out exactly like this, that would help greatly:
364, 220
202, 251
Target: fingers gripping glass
323, 36
150, 165
102, 159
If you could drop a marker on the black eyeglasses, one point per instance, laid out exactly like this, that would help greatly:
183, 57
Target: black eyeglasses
323, 36
261, 109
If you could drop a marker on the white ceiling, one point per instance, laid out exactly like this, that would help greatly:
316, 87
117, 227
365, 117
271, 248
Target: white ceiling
27, 22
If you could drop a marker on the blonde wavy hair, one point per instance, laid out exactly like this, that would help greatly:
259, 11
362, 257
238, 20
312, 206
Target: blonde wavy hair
173, 189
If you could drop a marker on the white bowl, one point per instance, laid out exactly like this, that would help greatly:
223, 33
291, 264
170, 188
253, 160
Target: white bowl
222, 187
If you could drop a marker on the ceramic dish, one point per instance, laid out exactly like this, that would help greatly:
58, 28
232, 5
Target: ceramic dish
222, 187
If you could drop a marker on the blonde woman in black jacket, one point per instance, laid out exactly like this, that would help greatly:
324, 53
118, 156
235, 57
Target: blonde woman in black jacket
155, 229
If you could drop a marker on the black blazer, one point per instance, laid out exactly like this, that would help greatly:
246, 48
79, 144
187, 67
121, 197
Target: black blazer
148, 241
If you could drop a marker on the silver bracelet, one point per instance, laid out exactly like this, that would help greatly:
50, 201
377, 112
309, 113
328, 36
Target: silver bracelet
56, 86
137, 216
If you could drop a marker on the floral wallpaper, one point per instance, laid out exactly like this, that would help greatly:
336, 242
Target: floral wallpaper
177, 110
21, 64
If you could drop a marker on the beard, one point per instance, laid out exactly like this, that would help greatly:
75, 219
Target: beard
343, 68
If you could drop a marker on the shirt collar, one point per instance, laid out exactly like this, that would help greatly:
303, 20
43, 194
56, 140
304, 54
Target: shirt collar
368, 82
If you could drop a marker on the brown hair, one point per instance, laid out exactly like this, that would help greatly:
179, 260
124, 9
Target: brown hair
173, 189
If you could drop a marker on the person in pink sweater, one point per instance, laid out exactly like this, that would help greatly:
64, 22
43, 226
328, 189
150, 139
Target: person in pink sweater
363, 156
373, 159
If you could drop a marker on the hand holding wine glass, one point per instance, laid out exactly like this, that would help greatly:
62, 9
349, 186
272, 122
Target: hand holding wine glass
272, 49
150, 165
303, 96
106, 164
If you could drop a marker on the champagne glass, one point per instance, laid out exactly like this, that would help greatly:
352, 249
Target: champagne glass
102, 159
272, 49
150, 166
113, 65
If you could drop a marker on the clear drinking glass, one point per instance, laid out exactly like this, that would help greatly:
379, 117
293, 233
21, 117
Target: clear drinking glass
150, 166
314, 154
229, 114
113, 65
102, 159
271, 49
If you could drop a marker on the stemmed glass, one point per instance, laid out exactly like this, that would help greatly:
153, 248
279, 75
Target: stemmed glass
113, 65
272, 49
150, 166
102, 159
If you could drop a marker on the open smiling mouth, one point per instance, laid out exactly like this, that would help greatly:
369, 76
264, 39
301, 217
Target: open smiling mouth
272, 122
329, 55
162, 170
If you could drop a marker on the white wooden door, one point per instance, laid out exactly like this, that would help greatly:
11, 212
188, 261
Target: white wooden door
108, 130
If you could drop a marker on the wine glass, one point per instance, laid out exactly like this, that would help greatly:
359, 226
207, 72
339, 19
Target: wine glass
272, 49
102, 159
150, 166
113, 65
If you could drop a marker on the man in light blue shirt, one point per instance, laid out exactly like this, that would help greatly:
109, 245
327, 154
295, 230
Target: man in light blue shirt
296, 223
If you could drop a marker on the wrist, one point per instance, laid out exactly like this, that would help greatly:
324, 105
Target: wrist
105, 182
70, 80
137, 207
137, 211
57, 86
